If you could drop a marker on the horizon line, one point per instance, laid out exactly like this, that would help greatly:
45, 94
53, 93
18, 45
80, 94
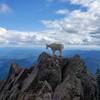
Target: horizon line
84, 47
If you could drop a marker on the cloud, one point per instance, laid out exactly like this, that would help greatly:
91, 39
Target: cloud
4, 8
82, 2
75, 28
62, 12
17, 38
78, 27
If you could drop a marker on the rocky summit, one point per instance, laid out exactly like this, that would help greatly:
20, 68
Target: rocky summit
50, 79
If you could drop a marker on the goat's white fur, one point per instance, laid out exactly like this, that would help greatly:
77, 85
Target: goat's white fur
56, 47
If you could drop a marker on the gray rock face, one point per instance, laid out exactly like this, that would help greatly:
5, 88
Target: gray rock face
70, 88
48, 71
69, 80
76, 66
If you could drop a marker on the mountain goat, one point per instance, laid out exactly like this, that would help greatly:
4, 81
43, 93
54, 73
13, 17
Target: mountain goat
55, 47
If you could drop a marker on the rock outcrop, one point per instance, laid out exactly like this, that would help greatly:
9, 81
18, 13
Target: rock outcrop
69, 80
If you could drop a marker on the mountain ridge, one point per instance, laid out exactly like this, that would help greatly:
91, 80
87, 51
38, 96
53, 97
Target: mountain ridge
67, 79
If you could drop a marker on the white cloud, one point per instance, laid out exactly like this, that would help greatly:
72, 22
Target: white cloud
62, 12
4, 8
82, 2
12, 37
79, 27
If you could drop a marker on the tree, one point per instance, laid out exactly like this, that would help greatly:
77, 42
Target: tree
98, 83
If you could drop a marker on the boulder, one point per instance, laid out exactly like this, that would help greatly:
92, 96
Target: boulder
69, 89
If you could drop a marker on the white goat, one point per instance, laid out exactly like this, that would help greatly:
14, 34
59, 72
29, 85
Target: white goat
55, 47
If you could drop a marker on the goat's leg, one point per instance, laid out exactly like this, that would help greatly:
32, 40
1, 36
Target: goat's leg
60, 57
54, 56
53, 52
60, 53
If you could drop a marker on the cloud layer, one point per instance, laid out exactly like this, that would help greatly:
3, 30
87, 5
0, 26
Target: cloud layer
78, 27
75, 28
17, 38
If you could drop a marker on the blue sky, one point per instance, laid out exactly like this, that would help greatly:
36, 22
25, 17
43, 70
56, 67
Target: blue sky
27, 22
26, 15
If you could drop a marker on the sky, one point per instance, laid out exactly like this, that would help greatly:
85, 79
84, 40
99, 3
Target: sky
40, 22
